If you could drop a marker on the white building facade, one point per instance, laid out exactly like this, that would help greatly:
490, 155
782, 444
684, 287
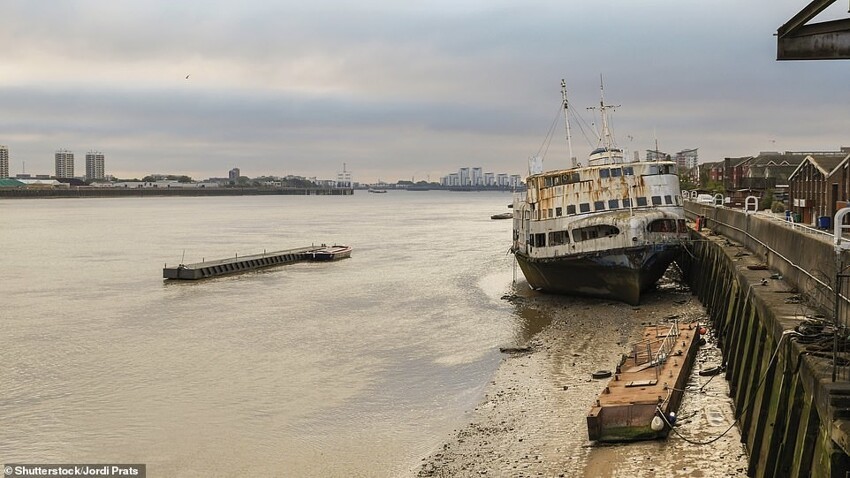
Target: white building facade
4, 162
477, 177
64, 161
94, 165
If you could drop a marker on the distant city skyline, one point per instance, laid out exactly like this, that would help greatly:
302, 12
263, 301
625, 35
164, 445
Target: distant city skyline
477, 177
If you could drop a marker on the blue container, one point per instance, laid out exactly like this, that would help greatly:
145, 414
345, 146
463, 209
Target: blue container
824, 222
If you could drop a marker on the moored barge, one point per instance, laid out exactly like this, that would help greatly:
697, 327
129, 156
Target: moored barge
647, 386
237, 264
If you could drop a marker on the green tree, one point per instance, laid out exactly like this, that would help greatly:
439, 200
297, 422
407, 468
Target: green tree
685, 183
715, 187
766, 201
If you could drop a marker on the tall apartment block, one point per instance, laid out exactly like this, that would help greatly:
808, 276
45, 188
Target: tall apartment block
94, 165
64, 164
4, 162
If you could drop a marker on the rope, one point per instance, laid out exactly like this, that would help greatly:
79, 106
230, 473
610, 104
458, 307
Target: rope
544, 147
743, 411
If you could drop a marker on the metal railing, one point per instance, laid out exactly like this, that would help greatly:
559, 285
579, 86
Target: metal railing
655, 351
826, 336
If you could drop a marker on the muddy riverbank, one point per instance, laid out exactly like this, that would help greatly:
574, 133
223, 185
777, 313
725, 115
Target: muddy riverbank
531, 421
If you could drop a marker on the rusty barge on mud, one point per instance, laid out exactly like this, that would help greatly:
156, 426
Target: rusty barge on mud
608, 229
641, 400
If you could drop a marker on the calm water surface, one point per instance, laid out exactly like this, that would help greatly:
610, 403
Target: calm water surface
354, 368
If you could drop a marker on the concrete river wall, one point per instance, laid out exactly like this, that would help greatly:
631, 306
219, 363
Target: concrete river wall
769, 289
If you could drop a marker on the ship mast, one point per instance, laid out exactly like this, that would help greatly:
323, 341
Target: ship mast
607, 141
567, 121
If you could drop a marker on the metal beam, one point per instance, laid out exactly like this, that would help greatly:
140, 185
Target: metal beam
806, 14
817, 41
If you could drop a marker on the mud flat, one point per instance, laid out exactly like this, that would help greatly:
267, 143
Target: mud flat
532, 420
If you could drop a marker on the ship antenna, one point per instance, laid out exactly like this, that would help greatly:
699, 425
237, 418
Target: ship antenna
567, 121
657, 151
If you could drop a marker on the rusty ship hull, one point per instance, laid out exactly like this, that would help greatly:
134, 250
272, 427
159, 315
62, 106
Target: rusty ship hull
618, 274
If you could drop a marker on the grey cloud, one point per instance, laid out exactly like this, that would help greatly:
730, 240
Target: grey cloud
392, 86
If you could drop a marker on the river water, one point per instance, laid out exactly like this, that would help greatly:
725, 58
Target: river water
360, 367
354, 368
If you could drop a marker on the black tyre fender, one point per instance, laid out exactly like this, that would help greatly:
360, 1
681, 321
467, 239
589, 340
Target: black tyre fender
708, 372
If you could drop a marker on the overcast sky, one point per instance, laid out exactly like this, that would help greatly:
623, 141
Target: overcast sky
400, 89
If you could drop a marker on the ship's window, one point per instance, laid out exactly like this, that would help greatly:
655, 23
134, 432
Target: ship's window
547, 182
662, 225
550, 213
656, 200
527, 214
540, 240
571, 209
627, 202
604, 173
558, 238
683, 226
616, 172
613, 204
570, 178
594, 232
641, 201
558, 212
584, 207
598, 205
653, 169
556, 180
668, 199
628, 171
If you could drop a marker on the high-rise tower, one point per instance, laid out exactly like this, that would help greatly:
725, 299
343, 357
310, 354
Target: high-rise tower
94, 165
4, 162
64, 164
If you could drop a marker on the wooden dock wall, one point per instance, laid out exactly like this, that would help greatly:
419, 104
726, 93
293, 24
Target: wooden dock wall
794, 418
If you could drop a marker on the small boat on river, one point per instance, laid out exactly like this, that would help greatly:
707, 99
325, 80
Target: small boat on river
504, 215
